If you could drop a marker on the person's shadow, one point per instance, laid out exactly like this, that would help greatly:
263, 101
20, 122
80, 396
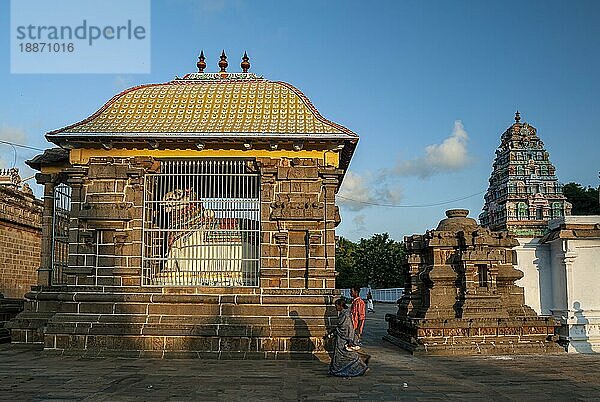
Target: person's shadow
577, 331
301, 346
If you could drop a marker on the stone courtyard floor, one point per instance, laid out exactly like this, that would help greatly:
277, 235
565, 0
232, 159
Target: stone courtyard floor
27, 374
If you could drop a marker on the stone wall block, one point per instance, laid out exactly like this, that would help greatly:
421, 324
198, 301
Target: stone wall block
106, 170
183, 309
20, 241
268, 264
297, 172
297, 264
296, 283
253, 310
186, 298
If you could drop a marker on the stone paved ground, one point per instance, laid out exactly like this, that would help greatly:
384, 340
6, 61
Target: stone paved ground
26, 374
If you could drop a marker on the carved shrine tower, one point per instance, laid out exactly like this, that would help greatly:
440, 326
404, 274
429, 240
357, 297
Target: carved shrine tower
524, 193
460, 296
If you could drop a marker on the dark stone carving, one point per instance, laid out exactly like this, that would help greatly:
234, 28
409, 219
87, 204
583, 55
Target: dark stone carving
297, 207
460, 295
111, 212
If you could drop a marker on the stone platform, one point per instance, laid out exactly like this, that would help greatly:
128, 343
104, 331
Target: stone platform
27, 374
219, 323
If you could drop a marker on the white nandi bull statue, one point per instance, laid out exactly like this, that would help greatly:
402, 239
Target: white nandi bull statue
193, 250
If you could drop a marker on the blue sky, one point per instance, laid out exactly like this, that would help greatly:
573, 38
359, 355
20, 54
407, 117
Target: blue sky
428, 85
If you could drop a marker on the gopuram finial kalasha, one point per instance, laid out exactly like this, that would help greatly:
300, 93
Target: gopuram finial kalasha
201, 64
517, 117
245, 64
223, 62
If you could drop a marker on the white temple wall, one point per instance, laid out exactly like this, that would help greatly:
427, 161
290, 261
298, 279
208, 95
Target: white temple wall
578, 262
559, 299
533, 259
562, 278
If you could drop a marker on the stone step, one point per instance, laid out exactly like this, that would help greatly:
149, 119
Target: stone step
186, 329
158, 346
4, 335
189, 310
193, 319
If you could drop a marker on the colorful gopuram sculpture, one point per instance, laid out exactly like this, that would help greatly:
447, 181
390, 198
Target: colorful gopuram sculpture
524, 193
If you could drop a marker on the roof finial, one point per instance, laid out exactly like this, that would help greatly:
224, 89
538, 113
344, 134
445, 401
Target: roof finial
223, 62
201, 64
517, 116
245, 63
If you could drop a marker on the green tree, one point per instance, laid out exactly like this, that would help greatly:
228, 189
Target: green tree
345, 264
375, 261
380, 259
584, 199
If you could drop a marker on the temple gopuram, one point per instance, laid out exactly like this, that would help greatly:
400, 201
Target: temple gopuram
193, 218
524, 193
460, 296
557, 252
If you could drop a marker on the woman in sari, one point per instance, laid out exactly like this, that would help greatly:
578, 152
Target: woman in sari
345, 362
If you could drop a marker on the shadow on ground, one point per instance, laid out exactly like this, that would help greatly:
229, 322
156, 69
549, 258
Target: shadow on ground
26, 374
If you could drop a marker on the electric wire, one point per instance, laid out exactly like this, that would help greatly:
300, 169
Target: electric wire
14, 144
435, 204
15, 155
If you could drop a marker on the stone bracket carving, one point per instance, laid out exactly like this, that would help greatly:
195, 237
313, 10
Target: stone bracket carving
87, 237
297, 207
304, 172
337, 217
281, 238
314, 239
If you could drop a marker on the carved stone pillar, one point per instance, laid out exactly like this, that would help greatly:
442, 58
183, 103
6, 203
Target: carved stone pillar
45, 269
80, 242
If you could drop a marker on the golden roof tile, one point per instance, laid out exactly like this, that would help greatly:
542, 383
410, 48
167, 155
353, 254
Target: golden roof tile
209, 104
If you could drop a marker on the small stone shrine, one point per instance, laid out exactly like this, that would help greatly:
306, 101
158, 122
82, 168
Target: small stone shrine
460, 296
192, 218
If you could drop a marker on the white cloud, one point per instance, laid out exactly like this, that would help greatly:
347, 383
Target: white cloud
358, 192
7, 152
206, 8
449, 155
121, 82
12, 134
359, 223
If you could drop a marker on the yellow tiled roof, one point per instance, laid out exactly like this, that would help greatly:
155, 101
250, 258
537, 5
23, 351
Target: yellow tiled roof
215, 106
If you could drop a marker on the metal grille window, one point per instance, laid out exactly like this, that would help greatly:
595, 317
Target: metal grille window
202, 223
60, 232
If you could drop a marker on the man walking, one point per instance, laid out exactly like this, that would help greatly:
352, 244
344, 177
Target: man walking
358, 314
370, 308
357, 311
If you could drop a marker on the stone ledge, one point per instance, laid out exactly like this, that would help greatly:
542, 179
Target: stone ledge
123, 346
